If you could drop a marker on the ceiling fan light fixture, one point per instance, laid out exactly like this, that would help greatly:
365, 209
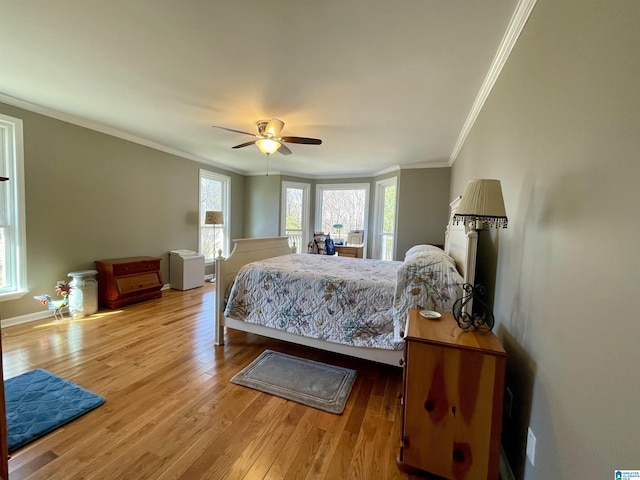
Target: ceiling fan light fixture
268, 145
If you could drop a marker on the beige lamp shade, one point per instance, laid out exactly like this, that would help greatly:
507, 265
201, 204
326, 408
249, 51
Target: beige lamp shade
482, 200
213, 218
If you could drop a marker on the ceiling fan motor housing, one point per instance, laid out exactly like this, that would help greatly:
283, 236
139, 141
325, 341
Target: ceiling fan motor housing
262, 125
270, 128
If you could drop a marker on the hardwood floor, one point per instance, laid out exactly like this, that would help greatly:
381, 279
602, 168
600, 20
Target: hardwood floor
172, 413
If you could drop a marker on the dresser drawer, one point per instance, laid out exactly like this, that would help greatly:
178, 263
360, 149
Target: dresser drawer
132, 268
134, 284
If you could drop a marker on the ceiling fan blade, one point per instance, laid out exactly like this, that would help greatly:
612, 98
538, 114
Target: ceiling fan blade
233, 130
308, 141
284, 150
274, 127
244, 144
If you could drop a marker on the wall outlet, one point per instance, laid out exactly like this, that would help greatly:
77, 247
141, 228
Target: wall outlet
531, 446
508, 402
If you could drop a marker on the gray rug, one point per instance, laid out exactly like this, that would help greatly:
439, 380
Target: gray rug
315, 384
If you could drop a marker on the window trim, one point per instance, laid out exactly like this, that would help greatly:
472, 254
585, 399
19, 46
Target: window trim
306, 210
317, 226
11, 130
226, 210
379, 212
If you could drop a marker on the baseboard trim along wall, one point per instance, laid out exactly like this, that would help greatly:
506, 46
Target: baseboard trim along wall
30, 317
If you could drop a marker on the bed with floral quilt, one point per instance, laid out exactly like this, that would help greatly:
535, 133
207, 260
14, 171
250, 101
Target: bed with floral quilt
353, 306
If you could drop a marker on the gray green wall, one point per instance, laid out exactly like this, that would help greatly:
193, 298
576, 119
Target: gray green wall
423, 207
560, 130
91, 196
262, 200
423, 204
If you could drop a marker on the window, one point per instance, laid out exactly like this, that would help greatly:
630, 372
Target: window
341, 208
13, 249
385, 212
214, 195
295, 214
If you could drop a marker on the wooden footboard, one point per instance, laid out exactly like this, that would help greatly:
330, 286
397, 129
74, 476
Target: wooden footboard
246, 250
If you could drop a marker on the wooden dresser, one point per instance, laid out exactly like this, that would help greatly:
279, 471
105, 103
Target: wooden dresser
452, 399
122, 281
352, 251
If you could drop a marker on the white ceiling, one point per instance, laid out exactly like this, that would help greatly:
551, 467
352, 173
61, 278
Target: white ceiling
383, 83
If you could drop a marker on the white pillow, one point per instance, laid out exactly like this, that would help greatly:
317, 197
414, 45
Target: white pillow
417, 249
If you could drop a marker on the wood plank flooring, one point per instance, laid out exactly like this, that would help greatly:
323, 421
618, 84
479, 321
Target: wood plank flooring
172, 413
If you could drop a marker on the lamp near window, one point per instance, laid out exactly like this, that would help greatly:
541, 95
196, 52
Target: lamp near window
481, 205
214, 218
338, 227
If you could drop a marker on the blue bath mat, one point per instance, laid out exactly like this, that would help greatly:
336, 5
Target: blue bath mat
38, 402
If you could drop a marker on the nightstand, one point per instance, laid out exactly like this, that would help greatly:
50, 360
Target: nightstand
452, 399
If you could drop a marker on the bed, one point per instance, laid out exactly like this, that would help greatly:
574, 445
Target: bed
350, 306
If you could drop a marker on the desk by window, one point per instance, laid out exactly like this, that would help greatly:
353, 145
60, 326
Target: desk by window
352, 251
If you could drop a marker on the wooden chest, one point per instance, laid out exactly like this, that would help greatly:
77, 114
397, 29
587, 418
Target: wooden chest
122, 281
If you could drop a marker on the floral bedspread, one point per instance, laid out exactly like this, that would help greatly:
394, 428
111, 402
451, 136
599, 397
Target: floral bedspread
342, 300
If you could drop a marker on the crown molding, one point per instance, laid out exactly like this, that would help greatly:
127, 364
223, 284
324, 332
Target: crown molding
98, 127
514, 29
410, 166
327, 176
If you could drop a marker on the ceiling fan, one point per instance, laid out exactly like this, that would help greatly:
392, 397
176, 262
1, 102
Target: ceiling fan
268, 138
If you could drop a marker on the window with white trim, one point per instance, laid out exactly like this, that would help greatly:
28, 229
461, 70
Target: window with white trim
13, 248
295, 214
385, 218
341, 208
215, 194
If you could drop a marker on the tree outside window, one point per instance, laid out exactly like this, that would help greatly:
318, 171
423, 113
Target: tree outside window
345, 205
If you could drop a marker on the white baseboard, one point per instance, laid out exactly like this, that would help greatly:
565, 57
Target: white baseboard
505, 469
30, 317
